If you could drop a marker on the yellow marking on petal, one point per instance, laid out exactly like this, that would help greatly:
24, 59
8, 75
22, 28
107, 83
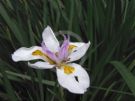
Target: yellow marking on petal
68, 69
49, 60
71, 47
39, 53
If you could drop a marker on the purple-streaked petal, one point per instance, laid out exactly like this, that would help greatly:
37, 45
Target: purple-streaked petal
63, 53
44, 48
49, 53
52, 55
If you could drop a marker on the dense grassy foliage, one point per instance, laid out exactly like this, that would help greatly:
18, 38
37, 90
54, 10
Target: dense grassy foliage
110, 62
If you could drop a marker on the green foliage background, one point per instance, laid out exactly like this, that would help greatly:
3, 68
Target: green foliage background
110, 62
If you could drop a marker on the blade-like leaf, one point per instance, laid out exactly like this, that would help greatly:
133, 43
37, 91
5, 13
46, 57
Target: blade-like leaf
126, 75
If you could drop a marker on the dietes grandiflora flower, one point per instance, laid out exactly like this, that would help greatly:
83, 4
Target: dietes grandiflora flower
71, 76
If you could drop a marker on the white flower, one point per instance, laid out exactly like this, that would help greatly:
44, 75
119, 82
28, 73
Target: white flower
70, 75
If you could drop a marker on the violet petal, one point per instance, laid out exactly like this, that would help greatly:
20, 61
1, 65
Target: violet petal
63, 52
49, 53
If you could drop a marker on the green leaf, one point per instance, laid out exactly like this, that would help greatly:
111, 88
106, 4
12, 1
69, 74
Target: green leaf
126, 75
8, 86
13, 25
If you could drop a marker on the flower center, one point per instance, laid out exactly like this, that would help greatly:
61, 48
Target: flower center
61, 65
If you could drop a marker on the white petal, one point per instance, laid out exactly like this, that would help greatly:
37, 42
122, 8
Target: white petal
25, 54
78, 44
50, 40
82, 75
69, 82
80, 52
40, 65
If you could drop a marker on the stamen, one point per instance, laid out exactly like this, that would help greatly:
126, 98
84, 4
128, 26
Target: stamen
68, 69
